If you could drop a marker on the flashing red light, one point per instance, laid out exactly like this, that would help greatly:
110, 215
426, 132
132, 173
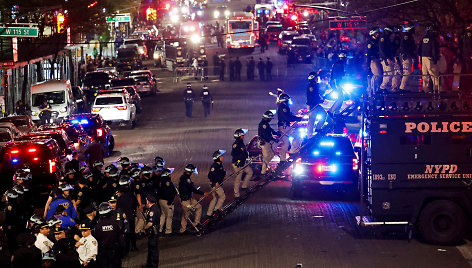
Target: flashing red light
99, 132
32, 150
319, 168
344, 130
35, 159
52, 166
285, 6
92, 4
148, 11
355, 164
383, 132
294, 17
14, 152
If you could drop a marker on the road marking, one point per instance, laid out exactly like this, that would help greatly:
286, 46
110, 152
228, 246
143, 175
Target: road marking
466, 251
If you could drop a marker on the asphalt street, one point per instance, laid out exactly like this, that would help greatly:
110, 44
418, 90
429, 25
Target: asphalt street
270, 229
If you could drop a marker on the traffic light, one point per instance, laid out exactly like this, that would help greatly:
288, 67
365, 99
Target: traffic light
60, 22
151, 13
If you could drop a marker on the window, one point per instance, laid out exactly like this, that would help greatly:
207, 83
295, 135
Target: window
240, 25
109, 101
54, 97
5, 136
122, 82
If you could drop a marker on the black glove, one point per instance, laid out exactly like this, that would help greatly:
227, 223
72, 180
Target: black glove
169, 203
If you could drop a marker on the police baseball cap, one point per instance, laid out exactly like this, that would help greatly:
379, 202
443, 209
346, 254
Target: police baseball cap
112, 199
85, 226
59, 230
89, 209
43, 224
151, 198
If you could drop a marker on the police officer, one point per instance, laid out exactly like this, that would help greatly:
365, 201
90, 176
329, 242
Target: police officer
222, 68
217, 175
87, 246
337, 75
261, 69
42, 241
207, 100
429, 53
127, 203
231, 69
112, 184
373, 58
84, 197
109, 237
189, 96
266, 138
149, 185
166, 194
251, 65
313, 101
186, 191
268, 66
239, 155
237, 69
152, 229
407, 53
285, 117
90, 216
396, 39
386, 57
125, 166
10, 224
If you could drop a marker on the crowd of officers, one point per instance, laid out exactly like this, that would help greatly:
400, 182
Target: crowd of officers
95, 213
391, 53
234, 66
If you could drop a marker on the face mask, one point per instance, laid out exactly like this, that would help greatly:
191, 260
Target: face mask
69, 157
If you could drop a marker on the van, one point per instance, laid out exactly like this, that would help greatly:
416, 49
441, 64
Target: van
59, 95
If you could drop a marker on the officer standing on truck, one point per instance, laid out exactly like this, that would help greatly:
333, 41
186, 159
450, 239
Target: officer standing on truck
266, 138
152, 230
207, 100
239, 155
313, 101
386, 57
189, 96
286, 118
429, 53
373, 60
407, 53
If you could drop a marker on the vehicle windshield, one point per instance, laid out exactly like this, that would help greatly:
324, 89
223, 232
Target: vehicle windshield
5, 136
240, 25
109, 101
61, 140
301, 41
123, 82
140, 73
274, 29
287, 37
136, 41
96, 78
141, 79
18, 122
127, 54
130, 90
54, 97
304, 31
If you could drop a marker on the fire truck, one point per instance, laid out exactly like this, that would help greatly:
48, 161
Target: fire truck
416, 163
242, 31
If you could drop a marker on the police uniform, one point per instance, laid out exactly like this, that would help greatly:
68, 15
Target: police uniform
239, 155
43, 243
166, 194
373, 61
429, 53
337, 74
265, 133
128, 203
313, 101
110, 240
186, 190
84, 199
216, 175
153, 234
10, 223
285, 119
386, 57
207, 99
189, 96
407, 54
88, 249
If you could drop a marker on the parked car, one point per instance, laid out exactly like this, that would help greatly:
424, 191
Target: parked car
134, 96
301, 49
76, 134
285, 39
95, 81
115, 108
13, 129
22, 122
96, 128
144, 85
5, 136
59, 135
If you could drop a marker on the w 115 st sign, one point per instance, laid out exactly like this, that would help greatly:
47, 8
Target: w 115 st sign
19, 31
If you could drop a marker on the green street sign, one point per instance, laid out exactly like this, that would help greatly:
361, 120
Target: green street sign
119, 19
18, 32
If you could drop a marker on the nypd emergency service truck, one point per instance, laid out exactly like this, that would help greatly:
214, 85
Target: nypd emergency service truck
417, 164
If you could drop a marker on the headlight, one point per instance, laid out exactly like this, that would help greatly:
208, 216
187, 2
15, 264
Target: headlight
141, 50
227, 13
63, 110
200, 13
216, 14
195, 38
334, 95
174, 18
156, 56
299, 170
348, 87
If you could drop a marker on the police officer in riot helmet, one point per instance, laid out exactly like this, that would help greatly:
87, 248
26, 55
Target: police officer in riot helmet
395, 40
266, 138
207, 100
407, 52
110, 238
152, 230
127, 202
189, 97
373, 58
285, 119
216, 176
337, 74
11, 218
239, 160
125, 166
166, 193
386, 54
429, 53
313, 100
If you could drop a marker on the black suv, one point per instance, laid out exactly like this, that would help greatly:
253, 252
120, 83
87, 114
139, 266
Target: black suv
301, 49
96, 128
328, 162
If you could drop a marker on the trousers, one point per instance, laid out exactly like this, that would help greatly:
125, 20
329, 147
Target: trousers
153, 251
245, 174
217, 201
167, 212
188, 108
267, 155
186, 213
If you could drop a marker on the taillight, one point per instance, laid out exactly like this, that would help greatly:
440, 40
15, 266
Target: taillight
121, 108
344, 130
31, 150
14, 151
319, 168
35, 159
99, 132
52, 166
355, 164
96, 109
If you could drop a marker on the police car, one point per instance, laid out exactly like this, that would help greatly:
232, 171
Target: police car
59, 135
76, 134
96, 128
328, 162
115, 107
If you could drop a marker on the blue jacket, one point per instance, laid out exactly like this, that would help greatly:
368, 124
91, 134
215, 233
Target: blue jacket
66, 221
60, 200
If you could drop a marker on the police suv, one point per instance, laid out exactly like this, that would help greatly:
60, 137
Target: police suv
417, 163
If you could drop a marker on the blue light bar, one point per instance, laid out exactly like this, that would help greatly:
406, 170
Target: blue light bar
327, 143
14, 160
74, 121
84, 122
316, 153
338, 153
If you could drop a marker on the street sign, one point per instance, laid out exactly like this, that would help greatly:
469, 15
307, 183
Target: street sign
19, 31
347, 24
119, 18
